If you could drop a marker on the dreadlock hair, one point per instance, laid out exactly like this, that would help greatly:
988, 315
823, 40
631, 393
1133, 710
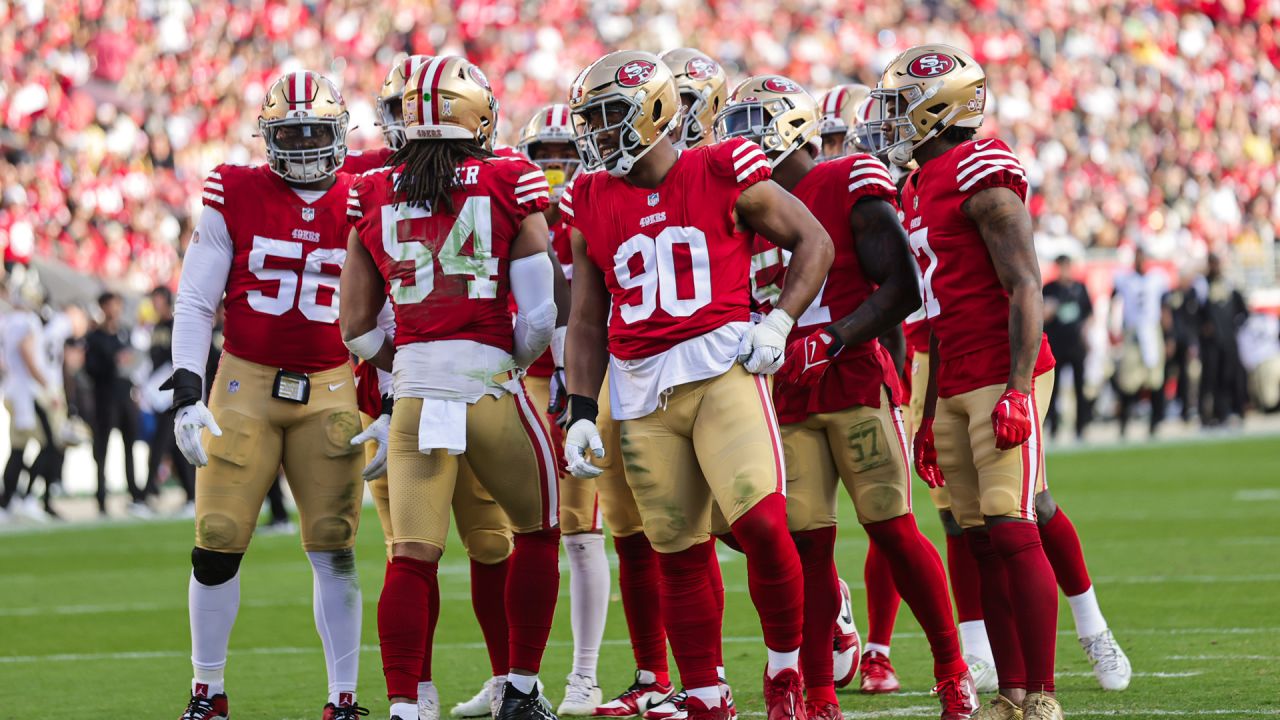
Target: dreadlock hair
428, 170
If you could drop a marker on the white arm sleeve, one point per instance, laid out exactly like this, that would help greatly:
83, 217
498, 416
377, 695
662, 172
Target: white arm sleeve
386, 321
532, 285
204, 278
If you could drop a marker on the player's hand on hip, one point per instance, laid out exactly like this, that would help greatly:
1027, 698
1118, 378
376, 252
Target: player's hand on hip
582, 435
187, 424
1011, 419
925, 454
808, 358
377, 431
763, 347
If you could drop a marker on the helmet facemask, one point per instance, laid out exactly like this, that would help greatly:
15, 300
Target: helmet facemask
890, 132
692, 132
391, 120
560, 166
612, 118
757, 121
312, 150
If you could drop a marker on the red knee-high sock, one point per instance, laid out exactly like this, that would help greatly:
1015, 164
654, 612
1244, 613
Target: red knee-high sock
1062, 547
533, 582
882, 596
997, 612
966, 584
1036, 609
917, 571
689, 614
403, 617
433, 619
717, 587
821, 605
488, 600
731, 542
638, 576
774, 575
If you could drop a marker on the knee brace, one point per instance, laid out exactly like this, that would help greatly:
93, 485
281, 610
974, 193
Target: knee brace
949, 524
1046, 508
214, 568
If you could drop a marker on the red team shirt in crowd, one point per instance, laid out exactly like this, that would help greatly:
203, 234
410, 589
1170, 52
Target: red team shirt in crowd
446, 272
673, 258
855, 376
282, 289
967, 307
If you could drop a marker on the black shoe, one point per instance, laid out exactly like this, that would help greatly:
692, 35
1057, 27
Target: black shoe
344, 712
519, 706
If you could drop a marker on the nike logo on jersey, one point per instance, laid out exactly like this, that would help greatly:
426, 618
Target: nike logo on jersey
335, 386
981, 145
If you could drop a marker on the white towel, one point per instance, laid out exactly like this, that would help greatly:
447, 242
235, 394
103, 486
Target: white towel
443, 425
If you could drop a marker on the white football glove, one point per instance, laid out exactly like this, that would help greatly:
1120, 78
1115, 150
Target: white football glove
377, 432
187, 424
582, 434
764, 344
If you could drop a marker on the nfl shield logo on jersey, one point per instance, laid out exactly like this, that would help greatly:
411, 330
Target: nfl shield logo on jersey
653, 199
308, 214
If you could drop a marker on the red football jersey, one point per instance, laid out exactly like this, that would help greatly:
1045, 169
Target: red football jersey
446, 273
967, 306
282, 289
916, 331
544, 366
830, 190
360, 162
368, 394
675, 263
768, 268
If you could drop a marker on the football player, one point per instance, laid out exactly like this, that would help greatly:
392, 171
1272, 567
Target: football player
839, 106
838, 391
450, 232
273, 238
662, 254
990, 367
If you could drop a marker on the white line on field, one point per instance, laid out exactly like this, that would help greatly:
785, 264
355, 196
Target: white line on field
1223, 657
931, 711
1256, 494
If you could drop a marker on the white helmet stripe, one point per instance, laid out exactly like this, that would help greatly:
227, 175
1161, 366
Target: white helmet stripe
426, 90
299, 89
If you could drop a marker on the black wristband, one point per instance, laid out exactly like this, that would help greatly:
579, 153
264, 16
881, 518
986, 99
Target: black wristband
388, 401
836, 343
187, 388
582, 407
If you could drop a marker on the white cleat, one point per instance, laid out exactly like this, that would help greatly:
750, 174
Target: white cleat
483, 703
847, 644
581, 696
983, 673
1110, 664
429, 704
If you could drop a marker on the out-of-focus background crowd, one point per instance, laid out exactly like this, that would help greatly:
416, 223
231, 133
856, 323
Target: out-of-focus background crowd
1148, 129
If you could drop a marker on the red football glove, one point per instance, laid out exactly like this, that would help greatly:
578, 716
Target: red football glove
808, 358
926, 455
1011, 419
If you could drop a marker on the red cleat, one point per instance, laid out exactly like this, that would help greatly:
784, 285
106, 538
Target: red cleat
958, 696
784, 696
878, 676
697, 711
846, 645
203, 707
822, 710
638, 699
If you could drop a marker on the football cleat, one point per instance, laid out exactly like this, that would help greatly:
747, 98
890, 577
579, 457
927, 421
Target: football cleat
822, 710
726, 692
958, 697
1039, 706
483, 703
878, 676
352, 711
581, 696
521, 706
847, 644
1110, 664
784, 696
429, 704
638, 699
697, 711
984, 675
202, 707
1000, 708
672, 709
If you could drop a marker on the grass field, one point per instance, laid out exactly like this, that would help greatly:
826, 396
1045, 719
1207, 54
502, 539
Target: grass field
1183, 542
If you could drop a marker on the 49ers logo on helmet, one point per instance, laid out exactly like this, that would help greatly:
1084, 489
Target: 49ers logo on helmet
700, 68
931, 65
635, 73
478, 76
780, 85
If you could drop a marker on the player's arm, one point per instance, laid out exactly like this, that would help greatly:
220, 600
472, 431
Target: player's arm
881, 245
586, 356
784, 221
1005, 226
533, 285
205, 268
895, 342
362, 296
29, 351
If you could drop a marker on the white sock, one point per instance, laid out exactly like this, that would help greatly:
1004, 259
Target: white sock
212, 610
974, 642
779, 661
405, 711
720, 672
710, 696
875, 647
336, 603
1084, 608
588, 598
524, 683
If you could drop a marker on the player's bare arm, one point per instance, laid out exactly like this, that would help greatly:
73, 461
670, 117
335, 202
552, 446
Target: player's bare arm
561, 284
361, 297
586, 346
1005, 226
883, 253
784, 221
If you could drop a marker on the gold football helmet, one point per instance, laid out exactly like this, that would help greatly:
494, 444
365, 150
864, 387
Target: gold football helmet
448, 98
547, 140
839, 107
772, 110
703, 88
304, 124
622, 105
924, 91
390, 100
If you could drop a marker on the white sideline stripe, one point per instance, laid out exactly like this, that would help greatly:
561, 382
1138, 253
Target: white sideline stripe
1256, 494
1222, 657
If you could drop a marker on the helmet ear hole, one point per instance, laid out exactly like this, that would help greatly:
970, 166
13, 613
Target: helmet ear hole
935, 109
657, 109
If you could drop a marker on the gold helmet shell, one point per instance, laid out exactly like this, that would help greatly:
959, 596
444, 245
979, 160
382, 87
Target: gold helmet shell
312, 102
627, 99
772, 110
924, 91
839, 105
704, 90
391, 98
551, 127
448, 98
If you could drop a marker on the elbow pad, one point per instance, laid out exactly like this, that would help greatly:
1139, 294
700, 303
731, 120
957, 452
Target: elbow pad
367, 345
533, 333
532, 285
